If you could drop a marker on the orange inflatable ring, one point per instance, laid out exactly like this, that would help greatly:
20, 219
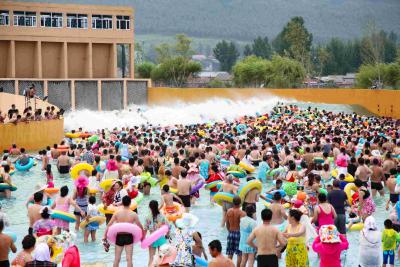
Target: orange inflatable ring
62, 148
51, 190
173, 213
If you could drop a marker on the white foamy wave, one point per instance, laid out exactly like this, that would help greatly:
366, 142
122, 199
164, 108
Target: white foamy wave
213, 110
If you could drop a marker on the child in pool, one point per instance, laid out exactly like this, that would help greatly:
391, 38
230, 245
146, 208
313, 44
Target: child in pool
91, 228
353, 218
49, 177
389, 238
197, 248
28, 245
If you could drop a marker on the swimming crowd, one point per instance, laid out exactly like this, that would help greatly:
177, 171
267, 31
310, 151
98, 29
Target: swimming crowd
325, 170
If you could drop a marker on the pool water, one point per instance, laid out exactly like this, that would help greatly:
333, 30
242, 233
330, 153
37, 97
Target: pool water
208, 226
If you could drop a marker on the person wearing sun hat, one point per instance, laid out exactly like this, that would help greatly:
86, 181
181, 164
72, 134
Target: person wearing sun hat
184, 239
111, 171
81, 197
329, 244
165, 256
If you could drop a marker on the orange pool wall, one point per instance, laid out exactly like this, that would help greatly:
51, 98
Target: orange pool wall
380, 102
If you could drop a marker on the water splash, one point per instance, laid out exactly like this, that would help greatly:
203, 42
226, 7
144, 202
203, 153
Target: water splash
213, 110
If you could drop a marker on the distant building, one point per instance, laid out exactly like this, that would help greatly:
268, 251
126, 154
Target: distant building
341, 81
203, 78
207, 63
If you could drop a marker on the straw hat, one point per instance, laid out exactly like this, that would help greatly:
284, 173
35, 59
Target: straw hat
188, 220
39, 188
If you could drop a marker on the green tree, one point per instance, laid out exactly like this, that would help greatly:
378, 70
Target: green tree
247, 51
144, 70
294, 41
251, 71
227, 54
261, 48
321, 57
139, 53
388, 75
285, 73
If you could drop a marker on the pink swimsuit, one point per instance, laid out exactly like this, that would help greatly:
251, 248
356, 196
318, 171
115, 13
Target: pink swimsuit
325, 218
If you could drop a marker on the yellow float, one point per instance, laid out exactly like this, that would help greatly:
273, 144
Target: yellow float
75, 171
112, 209
222, 197
350, 187
99, 219
250, 185
107, 184
248, 168
357, 227
72, 135
286, 205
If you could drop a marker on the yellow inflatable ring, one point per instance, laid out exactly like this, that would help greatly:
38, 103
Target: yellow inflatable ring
74, 172
222, 197
286, 205
173, 190
248, 168
93, 191
112, 209
349, 178
106, 184
245, 188
357, 227
72, 135
347, 189
99, 219
174, 213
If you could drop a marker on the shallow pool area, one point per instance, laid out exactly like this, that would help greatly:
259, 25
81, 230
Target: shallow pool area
208, 226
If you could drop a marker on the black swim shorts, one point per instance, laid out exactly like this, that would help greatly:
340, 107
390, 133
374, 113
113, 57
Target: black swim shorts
124, 240
376, 186
186, 200
267, 261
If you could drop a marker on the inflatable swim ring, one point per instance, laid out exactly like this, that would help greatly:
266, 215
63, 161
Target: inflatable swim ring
146, 177
75, 171
212, 184
5, 186
222, 197
271, 195
197, 187
276, 171
237, 174
323, 191
99, 219
173, 213
200, 261
61, 215
245, 188
51, 190
241, 128
93, 191
348, 189
247, 167
130, 228
286, 205
72, 135
112, 209
319, 160
357, 227
25, 167
290, 188
153, 237
62, 148
93, 138
139, 198
85, 135
107, 184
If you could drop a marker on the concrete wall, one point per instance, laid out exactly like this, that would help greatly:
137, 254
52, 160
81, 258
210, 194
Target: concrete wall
381, 102
32, 135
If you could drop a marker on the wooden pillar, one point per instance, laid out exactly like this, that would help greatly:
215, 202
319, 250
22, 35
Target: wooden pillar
64, 61
16, 87
132, 60
72, 95
113, 61
45, 88
99, 94
125, 94
38, 60
11, 60
89, 60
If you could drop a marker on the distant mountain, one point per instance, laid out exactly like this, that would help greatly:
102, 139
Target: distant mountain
243, 20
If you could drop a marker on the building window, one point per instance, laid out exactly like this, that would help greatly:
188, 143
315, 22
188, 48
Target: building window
123, 23
51, 20
102, 22
4, 18
77, 21
22, 18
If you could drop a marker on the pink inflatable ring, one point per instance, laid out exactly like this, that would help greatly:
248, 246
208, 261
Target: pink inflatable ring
129, 228
153, 237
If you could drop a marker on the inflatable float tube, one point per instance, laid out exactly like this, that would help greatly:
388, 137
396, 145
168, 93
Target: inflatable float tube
107, 184
280, 191
72, 135
241, 128
153, 237
357, 227
247, 167
5, 186
222, 197
49, 202
276, 171
323, 191
237, 174
62, 148
99, 219
175, 212
64, 216
85, 135
12, 235
24, 167
290, 188
112, 209
197, 187
286, 205
93, 138
245, 188
51, 190
74, 172
146, 177
139, 198
173, 190
200, 261
93, 191
319, 160
212, 185
129, 228
347, 189
349, 178
225, 162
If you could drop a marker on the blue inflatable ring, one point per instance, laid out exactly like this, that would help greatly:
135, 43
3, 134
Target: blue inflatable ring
26, 167
241, 128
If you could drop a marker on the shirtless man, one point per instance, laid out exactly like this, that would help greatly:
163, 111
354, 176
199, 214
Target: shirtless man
267, 238
388, 164
363, 172
124, 240
391, 185
233, 216
219, 260
377, 177
227, 187
63, 163
252, 197
278, 211
184, 188
34, 210
167, 198
5, 245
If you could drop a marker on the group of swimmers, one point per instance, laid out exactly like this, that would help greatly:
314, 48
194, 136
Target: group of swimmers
326, 170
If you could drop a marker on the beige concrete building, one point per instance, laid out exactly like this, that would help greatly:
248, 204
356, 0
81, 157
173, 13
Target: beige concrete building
80, 56
40, 40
